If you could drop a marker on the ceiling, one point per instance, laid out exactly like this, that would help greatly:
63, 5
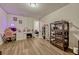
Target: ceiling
23, 9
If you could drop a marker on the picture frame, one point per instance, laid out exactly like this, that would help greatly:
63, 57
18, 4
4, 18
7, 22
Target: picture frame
20, 21
14, 18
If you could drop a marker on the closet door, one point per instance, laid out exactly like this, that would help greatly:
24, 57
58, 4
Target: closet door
47, 32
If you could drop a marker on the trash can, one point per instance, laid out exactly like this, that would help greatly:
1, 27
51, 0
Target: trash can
75, 50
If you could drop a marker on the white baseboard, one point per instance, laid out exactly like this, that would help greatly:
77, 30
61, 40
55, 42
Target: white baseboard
70, 48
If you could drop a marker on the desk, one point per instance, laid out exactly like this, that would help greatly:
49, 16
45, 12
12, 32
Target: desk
29, 35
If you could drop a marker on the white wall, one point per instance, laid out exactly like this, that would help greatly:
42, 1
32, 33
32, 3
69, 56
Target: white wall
69, 13
27, 23
3, 23
36, 25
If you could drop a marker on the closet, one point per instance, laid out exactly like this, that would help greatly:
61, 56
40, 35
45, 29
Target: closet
45, 31
59, 34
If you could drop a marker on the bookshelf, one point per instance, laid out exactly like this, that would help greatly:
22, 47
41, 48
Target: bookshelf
59, 34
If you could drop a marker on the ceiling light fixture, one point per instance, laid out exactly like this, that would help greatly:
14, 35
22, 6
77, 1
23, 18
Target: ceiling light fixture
34, 5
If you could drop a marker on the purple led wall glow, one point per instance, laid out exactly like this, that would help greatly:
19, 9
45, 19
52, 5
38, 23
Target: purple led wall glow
12, 25
4, 23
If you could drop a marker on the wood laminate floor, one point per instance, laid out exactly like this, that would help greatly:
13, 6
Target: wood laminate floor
31, 47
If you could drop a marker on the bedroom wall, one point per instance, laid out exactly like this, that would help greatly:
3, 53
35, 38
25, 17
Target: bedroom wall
69, 13
27, 23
